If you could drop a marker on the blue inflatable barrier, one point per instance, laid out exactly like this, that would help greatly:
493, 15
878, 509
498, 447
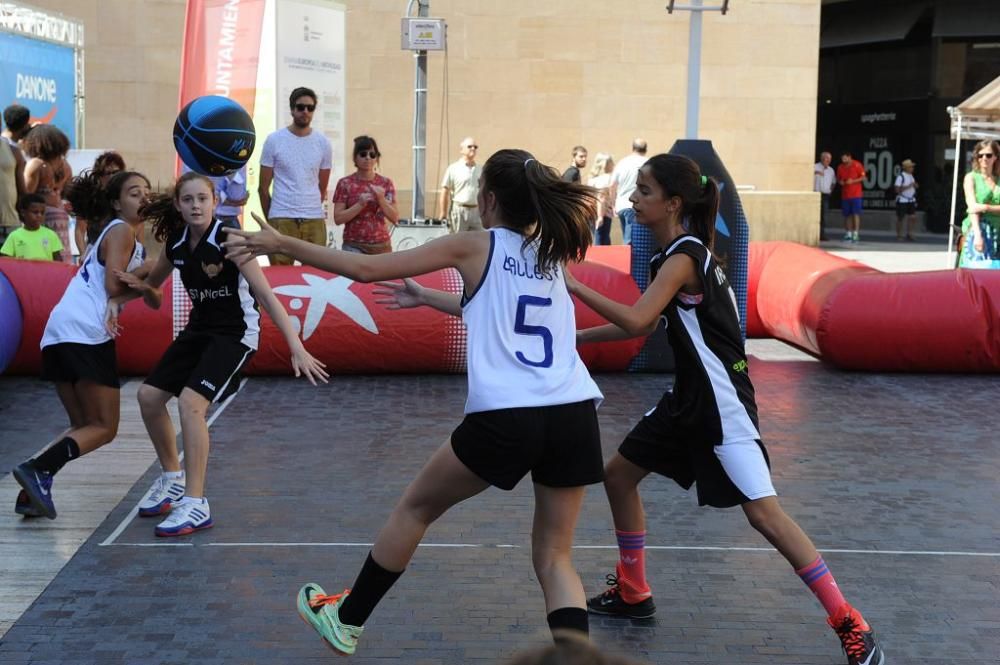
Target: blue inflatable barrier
11, 323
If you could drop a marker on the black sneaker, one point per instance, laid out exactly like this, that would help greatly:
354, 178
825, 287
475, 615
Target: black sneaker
38, 486
610, 602
857, 638
22, 506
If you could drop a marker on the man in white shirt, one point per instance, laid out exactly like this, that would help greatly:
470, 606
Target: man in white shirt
298, 161
824, 178
623, 180
906, 200
460, 190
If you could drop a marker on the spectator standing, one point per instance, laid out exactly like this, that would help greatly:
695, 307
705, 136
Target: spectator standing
16, 120
106, 165
623, 180
364, 201
46, 173
981, 226
298, 161
32, 241
11, 169
572, 174
824, 178
906, 201
850, 175
460, 190
600, 179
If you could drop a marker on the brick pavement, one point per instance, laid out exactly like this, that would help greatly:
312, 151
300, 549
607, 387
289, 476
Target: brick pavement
876, 463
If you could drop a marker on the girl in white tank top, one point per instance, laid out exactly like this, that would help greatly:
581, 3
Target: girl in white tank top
78, 352
522, 355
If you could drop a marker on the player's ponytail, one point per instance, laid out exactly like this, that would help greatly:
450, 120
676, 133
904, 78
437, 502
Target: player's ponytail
161, 212
531, 194
93, 201
681, 177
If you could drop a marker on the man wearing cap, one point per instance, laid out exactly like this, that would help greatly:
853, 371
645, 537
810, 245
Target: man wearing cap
906, 201
460, 188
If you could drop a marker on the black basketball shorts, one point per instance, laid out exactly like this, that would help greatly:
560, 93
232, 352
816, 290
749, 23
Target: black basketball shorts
560, 445
70, 362
727, 474
206, 363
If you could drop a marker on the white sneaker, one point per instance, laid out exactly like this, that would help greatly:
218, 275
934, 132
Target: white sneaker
189, 515
163, 495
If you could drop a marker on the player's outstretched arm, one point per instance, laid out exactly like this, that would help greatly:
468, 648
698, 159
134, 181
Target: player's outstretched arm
406, 294
303, 362
641, 318
463, 251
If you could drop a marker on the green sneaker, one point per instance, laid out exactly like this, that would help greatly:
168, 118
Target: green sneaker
320, 611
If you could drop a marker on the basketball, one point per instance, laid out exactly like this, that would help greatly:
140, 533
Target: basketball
214, 135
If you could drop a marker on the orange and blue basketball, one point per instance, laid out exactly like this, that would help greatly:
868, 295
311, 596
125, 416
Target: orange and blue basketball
214, 135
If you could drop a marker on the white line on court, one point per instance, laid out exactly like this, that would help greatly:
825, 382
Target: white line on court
110, 540
692, 548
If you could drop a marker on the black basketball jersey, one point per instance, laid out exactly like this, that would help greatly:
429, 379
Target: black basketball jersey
221, 300
712, 391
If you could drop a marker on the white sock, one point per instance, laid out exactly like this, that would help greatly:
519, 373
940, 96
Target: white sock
194, 499
173, 475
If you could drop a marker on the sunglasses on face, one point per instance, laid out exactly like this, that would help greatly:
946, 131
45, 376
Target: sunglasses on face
305, 107
985, 155
370, 154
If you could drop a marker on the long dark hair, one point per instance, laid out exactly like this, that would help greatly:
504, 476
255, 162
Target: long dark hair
161, 212
681, 177
528, 191
93, 202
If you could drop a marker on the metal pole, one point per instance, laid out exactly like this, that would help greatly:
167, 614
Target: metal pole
419, 123
954, 191
694, 71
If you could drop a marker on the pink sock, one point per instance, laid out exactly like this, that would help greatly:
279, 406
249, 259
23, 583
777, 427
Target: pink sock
632, 566
819, 579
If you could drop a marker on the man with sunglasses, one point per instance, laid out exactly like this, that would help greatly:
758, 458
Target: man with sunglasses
297, 161
460, 190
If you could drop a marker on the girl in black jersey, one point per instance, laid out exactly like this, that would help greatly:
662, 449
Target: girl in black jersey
203, 364
705, 430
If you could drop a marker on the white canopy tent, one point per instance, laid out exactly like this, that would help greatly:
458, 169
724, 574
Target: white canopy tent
978, 117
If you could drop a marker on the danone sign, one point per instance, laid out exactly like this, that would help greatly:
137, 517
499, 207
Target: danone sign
41, 76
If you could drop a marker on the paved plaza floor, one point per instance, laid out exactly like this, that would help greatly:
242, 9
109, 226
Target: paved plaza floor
894, 477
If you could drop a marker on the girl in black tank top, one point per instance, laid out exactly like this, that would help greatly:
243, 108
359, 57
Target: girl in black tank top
705, 431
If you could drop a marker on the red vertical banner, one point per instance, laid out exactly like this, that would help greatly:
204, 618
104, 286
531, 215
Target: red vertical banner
221, 50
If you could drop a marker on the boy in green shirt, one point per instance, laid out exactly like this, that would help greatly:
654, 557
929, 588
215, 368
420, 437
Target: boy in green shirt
32, 241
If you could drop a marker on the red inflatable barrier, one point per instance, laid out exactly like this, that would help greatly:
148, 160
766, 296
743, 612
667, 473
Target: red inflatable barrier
40, 285
338, 319
856, 317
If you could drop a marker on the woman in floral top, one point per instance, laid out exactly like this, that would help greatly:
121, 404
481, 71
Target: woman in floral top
364, 201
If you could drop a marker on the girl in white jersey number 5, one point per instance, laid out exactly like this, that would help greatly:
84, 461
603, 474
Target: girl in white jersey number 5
203, 364
531, 404
704, 430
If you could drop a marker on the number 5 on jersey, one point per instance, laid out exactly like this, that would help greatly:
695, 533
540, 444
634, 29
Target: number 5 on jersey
522, 328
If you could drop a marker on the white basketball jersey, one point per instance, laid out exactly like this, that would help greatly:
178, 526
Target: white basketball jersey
522, 333
79, 315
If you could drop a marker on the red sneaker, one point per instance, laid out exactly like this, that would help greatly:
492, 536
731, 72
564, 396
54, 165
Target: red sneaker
857, 637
